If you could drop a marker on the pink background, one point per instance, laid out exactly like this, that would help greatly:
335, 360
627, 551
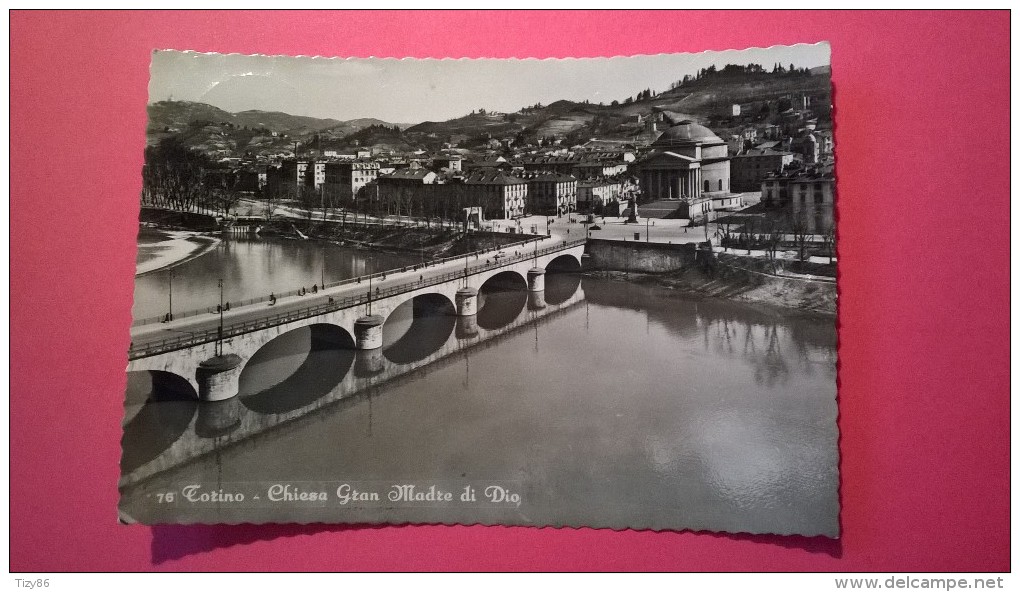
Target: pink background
922, 137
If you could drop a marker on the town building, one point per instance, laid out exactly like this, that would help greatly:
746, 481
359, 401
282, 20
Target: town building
590, 169
553, 194
808, 147
486, 162
345, 179
421, 192
603, 196
295, 173
449, 162
499, 194
405, 191
748, 170
808, 196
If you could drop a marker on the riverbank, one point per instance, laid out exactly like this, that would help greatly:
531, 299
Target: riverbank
728, 278
160, 249
432, 242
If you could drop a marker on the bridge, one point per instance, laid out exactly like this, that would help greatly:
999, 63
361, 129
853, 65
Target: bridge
209, 351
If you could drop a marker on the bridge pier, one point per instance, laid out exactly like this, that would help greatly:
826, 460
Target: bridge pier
368, 332
218, 418
536, 300
536, 279
467, 326
218, 376
467, 302
369, 362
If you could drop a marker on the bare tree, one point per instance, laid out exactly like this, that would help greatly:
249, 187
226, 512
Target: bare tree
829, 241
799, 228
722, 232
772, 238
746, 237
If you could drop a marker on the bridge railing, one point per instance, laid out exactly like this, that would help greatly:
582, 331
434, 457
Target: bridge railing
315, 289
334, 304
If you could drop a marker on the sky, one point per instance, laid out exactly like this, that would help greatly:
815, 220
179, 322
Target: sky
413, 90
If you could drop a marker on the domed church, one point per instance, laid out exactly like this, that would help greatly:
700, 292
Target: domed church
689, 163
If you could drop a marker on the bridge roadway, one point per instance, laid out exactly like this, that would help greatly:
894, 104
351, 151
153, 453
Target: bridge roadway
195, 349
168, 435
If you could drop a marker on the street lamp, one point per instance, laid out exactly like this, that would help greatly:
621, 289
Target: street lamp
219, 338
170, 316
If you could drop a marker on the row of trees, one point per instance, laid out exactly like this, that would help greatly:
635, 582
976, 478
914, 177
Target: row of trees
770, 233
177, 178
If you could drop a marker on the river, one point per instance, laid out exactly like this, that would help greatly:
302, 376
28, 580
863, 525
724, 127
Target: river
251, 268
633, 407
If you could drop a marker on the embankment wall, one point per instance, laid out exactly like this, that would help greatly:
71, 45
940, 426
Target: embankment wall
607, 255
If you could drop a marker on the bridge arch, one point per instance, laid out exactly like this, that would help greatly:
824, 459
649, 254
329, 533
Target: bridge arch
501, 298
418, 327
565, 263
159, 409
296, 368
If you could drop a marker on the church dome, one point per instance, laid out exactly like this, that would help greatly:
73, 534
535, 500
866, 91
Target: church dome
686, 132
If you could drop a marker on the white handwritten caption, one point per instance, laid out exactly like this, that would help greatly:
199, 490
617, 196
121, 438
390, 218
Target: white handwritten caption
345, 494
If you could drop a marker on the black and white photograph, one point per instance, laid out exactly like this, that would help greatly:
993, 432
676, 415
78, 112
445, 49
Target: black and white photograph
592, 292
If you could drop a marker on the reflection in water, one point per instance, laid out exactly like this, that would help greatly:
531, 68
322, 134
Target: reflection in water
467, 327
559, 287
218, 418
255, 267
418, 328
296, 369
158, 411
638, 408
500, 299
369, 362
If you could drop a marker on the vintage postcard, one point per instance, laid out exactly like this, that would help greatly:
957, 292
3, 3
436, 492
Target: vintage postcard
581, 292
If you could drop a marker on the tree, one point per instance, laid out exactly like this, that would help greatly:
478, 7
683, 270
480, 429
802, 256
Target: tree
799, 228
772, 238
829, 241
173, 175
722, 232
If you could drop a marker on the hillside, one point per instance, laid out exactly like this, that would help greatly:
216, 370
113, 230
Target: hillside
379, 135
707, 97
215, 131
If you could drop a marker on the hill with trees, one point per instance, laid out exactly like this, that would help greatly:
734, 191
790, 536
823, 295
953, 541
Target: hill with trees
762, 91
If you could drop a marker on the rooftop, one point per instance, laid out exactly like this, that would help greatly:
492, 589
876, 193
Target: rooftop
685, 133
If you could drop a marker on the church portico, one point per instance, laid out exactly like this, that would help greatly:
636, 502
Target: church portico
688, 163
673, 176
